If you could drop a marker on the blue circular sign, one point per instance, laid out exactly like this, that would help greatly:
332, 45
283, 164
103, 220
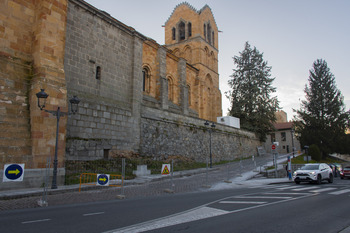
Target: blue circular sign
102, 179
13, 172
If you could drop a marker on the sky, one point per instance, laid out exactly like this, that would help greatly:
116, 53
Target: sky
292, 35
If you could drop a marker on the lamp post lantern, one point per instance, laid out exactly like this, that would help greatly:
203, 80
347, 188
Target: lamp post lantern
206, 123
42, 96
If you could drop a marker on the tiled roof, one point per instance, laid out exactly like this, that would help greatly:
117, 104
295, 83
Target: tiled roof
283, 125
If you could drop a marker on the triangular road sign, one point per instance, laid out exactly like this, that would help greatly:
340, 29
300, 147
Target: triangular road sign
165, 169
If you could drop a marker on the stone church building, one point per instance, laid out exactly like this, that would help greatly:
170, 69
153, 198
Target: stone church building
136, 95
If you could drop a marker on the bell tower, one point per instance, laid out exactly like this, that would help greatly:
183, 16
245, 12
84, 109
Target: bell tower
193, 35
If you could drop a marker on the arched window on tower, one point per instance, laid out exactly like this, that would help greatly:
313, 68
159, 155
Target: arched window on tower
212, 37
212, 60
146, 80
206, 56
189, 95
170, 89
173, 31
182, 31
189, 28
187, 54
205, 31
209, 33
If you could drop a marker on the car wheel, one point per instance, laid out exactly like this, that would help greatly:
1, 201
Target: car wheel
330, 180
297, 182
319, 179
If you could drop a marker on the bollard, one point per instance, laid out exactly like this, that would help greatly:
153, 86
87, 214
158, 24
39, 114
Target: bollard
206, 176
240, 167
228, 175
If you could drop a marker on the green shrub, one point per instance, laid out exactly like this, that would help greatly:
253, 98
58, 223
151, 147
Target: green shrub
315, 153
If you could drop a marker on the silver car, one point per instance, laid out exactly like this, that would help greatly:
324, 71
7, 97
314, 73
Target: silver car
313, 172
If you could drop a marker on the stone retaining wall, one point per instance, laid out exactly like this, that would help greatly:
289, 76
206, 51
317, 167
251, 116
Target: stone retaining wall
165, 134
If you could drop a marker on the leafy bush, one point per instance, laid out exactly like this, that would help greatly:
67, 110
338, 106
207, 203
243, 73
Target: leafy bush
315, 152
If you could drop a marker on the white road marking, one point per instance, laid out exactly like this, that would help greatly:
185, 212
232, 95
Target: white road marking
340, 192
284, 188
202, 212
322, 190
272, 186
190, 216
263, 197
34, 221
307, 188
242, 202
89, 214
286, 193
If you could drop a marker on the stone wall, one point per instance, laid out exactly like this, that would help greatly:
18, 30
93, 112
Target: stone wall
99, 129
165, 134
32, 38
15, 141
31, 59
109, 112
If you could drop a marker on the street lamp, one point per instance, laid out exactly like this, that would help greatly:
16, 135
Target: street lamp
206, 123
292, 133
42, 96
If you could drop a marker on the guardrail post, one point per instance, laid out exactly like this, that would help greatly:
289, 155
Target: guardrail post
172, 175
43, 201
122, 196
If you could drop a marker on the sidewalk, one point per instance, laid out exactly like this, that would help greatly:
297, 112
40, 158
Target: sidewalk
225, 176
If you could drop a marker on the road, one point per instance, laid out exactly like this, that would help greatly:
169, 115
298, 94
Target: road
253, 207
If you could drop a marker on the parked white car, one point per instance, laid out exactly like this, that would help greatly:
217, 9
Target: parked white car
313, 172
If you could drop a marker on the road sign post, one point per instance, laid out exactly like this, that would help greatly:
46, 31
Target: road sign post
289, 168
273, 147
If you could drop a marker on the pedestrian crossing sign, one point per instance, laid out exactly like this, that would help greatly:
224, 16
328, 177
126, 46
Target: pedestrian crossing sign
165, 169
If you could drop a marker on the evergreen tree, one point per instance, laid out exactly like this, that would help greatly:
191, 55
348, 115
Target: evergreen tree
250, 94
322, 119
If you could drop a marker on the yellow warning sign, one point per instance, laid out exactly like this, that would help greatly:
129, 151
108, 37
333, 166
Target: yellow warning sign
165, 169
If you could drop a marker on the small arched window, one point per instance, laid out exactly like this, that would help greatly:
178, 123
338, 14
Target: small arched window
182, 31
212, 37
205, 31
146, 80
209, 33
173, 31
189, 28
98, 72
212, 60
170, 89
189, 95
187, 54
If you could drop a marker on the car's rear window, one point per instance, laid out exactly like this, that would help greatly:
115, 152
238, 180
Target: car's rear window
347, 169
